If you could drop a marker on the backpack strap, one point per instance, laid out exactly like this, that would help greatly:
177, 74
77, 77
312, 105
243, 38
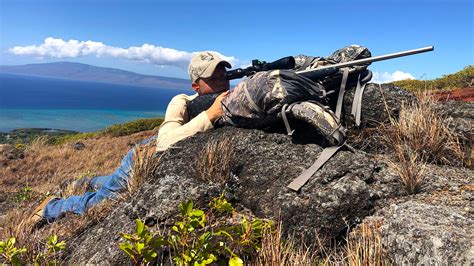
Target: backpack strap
285, 109
252, 103
325, 155
357, 102
340, 97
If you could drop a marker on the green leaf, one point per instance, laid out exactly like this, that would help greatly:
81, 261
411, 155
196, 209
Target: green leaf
127, 236
140, 226
189, 206
149, 255
236, 261
10, 242
129, 252
196, 213
139, 246
223, 232
186, 207
157, 242
125, 245
210, 259
205, 236
61, 245
187, 258
53, 239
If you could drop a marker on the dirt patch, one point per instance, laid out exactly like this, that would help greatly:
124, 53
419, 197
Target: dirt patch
465, 95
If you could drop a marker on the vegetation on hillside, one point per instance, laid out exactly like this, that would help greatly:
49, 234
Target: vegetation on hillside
460, 79
22, 137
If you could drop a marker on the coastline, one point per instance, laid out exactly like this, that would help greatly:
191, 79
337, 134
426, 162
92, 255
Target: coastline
80, 120
26, 135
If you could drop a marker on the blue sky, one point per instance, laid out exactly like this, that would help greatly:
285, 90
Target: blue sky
159, 37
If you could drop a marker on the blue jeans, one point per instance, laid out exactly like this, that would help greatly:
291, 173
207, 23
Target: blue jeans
107, 187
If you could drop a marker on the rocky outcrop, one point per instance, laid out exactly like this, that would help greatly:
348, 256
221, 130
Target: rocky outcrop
415, 232
352, 187
433, 226
265, 164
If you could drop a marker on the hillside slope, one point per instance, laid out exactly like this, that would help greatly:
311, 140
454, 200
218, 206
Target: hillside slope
84, 72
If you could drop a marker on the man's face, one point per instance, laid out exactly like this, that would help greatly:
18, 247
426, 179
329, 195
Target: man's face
215, 83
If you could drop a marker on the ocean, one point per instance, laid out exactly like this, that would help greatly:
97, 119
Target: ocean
40, 102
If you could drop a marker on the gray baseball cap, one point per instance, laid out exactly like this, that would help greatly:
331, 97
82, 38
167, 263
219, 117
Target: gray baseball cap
202, 65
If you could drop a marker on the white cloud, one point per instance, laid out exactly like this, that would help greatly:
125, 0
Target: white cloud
386, 77
157, 55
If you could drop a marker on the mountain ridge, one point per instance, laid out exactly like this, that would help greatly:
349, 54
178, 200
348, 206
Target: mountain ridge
86, 72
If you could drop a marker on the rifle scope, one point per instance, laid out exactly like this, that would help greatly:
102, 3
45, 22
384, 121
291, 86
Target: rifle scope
257, 65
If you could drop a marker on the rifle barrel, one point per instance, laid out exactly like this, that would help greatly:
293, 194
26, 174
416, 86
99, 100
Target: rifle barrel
371, 59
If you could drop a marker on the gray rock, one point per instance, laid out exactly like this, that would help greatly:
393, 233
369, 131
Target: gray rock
79, 146
265, 164
433, 227
9, 153
415, 232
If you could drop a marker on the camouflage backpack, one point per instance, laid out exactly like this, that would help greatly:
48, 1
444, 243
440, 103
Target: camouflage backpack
269, 97
335, 84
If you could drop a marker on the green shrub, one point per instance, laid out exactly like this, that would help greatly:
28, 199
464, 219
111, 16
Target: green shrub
132, 127
53, 248
141, 247
10, 253
198, 237
24, 194
58, 140
116, 130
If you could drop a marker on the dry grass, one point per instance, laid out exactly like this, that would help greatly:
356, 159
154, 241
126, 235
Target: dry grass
364, 245
43, 169
144, 167
424, 131
214, 162
409, 168
420, 136
276, 251
67, 228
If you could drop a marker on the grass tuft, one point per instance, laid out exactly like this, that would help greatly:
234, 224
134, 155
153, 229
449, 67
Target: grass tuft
364, 245
144, 167
279, 251
214, 162
420, 136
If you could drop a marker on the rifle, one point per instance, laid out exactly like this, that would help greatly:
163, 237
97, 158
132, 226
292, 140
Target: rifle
317, 73
323, 71
205, 101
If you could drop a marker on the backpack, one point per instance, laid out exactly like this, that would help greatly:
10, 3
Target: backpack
269, 97
349, 77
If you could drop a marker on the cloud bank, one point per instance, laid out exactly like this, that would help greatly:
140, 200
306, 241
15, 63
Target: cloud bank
157, 55
386, 77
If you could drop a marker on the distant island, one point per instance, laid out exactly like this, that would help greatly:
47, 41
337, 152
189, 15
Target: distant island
85, 72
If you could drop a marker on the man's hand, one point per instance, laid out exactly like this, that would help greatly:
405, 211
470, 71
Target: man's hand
215, 111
